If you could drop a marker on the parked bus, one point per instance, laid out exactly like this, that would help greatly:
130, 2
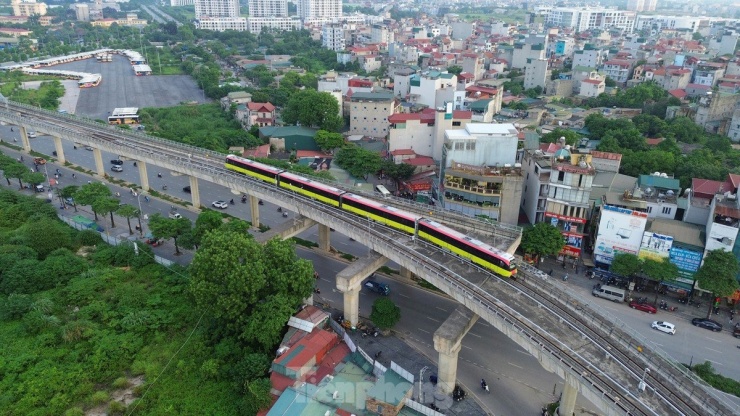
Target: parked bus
383, 191
128, 115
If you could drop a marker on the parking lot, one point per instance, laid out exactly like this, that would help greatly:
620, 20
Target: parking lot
121, 88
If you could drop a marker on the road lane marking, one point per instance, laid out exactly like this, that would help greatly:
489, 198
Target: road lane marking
441, 309
714, 340
403, 296
713, 350
422, 330
475, 335
432, 319
514, 365
465, 346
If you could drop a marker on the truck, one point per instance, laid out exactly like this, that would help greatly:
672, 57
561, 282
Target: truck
377, 287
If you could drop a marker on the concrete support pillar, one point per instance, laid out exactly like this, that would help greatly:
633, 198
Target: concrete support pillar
447, 342
568, 398
99, 166
60, 150
406, 273
194, 192
143, 177
324, 237
447, 371
254, 207
352, 305
350, 279
25, 142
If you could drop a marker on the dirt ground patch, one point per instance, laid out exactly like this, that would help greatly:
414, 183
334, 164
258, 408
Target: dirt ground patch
123, 396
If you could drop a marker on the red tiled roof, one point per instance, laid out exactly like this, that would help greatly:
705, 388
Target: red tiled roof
606, 155
300, 154
699, 86
259, 151
402, 152
616, 62
404, 117
264, 107
655, 141
734, 180
462, 114
705, 188
420, 161
594, 81
487, 90
680, 94
465, 75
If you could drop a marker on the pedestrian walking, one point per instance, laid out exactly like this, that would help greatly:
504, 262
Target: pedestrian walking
74, 176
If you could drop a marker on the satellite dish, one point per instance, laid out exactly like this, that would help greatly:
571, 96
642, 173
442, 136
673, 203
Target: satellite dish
648, 191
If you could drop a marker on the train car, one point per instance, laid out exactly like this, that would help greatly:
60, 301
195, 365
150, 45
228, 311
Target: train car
378, 212
312, 189
480, 253
265, 173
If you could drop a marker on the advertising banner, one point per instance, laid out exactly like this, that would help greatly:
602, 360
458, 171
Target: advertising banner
620, 231
687, 261
573, 243
655, 246
720, 237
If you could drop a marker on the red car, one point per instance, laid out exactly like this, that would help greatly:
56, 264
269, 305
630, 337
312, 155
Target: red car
643, 307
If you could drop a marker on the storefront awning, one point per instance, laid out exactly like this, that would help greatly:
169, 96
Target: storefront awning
678, 285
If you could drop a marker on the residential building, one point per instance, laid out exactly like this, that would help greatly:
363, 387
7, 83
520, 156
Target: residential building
655, 194
642, 5
423, 133
217, 8
558, 183
82, 12
655, 24
256, 24
592, 86
564, 47
220, 24
263, 8
618, 70
714, 111
536, 73
402, 81
332, 37
532, 47
381, 34
259, 114
28, 8
589, 57
708, 73
179, 3
724, 44
369, 112
672, 78
235, 98
475, 93
733, 131
432, 88
472, 63
324, 9
585, 18
479, 174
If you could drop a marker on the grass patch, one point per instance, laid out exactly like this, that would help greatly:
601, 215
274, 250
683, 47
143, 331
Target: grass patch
304, 243
99, 397
347, 256
388, 270
718, 381
265, 228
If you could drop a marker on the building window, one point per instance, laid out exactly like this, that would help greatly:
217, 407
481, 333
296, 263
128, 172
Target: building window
456, 123
561, 176
649, 209
459, 146
667, 210
470, 146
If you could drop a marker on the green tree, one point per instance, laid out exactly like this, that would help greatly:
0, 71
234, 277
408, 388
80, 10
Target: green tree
174, 228
311, 108
128, 211
357, 161
660, 271
626, 264
397, 171
89, 193
16, 171
455, 69
542, 240
718, 274
45, 235
69, 192
608, 82
653, 160
327, 140
106, 205
34, 178
650, 126
206, 222
685, 130
249, 289
571, 137
385, 313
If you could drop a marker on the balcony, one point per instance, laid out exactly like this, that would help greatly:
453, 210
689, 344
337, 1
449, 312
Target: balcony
474, 187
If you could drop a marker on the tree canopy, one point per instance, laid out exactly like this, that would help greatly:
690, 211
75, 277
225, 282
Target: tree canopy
385, 314
327, 140
542, 240
718, 274
626, 264
358, 161
311, 108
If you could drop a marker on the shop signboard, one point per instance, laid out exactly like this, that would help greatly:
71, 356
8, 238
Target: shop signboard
620, 231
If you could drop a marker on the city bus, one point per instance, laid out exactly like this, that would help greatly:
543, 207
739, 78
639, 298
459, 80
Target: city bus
128, 115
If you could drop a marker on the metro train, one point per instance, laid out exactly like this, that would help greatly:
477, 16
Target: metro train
478, 252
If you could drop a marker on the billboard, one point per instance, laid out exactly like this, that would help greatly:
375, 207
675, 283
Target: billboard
620, 231
655, 246
568, 226
721, 237
687, 261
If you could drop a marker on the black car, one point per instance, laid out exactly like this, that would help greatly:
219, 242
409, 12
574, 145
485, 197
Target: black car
707, 323
186, 189
116, 162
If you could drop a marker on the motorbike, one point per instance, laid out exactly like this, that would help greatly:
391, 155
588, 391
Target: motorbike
673, 309
164, 187
285, 215
280, 209
260, 202
458, 394
231, 202
484, 385
244, 200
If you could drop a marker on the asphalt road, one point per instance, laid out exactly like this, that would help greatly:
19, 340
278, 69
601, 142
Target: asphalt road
121, 88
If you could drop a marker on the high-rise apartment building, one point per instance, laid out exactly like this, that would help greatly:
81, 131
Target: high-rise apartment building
28, 8
585, 18
642, 5
216, 8
324, 9
268, 8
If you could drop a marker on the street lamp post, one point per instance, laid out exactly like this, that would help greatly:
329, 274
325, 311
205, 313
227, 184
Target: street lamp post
421, 377
141, 229
641, 386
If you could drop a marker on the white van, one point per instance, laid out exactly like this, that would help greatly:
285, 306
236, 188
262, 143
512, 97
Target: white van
608, 292
383, 191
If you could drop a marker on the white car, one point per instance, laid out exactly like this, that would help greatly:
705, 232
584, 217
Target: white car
666, 327
31, 134
220, 204
116, 168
